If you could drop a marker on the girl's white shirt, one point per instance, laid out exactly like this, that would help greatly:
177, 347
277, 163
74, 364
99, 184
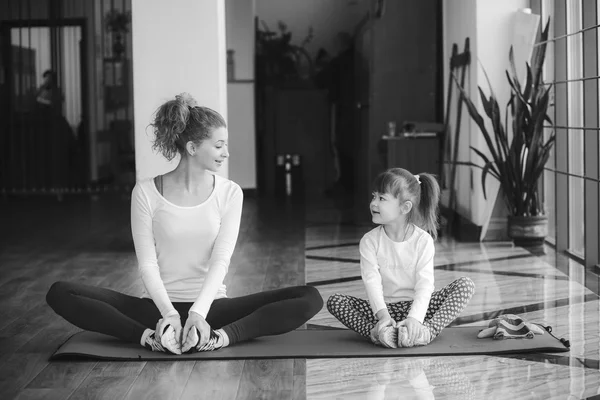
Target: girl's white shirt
398, 271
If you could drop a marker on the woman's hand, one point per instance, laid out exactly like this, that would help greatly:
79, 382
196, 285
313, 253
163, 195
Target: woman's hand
175, 321
413, 328
195, 319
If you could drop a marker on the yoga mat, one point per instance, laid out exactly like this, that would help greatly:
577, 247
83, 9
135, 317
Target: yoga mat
340, 343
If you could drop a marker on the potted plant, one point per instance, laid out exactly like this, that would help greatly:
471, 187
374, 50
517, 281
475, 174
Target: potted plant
278, 60
518, 162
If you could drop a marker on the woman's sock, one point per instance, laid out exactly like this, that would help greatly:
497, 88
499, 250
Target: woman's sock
145, 335
224, 338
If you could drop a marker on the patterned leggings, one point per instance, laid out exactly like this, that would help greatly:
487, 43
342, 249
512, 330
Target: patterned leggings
445, 305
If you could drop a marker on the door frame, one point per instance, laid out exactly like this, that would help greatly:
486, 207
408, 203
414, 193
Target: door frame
363, 107
5, 31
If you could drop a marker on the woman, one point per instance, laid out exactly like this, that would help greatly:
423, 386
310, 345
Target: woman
185, 225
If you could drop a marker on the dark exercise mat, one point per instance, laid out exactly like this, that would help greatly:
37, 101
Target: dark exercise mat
312, 344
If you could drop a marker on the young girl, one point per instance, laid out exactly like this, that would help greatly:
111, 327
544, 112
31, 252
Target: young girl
396, 261
185, 226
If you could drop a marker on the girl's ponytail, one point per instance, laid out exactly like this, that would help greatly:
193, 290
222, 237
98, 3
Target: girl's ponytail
429, 202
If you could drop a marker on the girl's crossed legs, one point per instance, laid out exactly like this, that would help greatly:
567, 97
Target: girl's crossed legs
127, 317
445, 305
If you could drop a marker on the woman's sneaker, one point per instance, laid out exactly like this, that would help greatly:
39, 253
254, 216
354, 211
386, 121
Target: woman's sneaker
153, 344
191, 341
169, 341
422, 339
215, 342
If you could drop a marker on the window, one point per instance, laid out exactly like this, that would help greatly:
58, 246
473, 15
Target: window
571, 186
549, 182
575, 136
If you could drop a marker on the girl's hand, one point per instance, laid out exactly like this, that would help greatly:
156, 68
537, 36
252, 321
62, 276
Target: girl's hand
195, 319
413, 328
173, 320
382, 323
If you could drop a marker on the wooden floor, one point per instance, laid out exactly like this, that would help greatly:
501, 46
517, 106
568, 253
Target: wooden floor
78, 239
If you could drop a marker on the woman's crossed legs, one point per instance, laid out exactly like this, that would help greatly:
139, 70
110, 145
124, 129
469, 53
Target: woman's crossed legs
127, 317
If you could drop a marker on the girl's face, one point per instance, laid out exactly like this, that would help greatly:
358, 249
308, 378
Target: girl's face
386, 208
212, 152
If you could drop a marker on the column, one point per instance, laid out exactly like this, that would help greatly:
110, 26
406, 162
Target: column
178, 46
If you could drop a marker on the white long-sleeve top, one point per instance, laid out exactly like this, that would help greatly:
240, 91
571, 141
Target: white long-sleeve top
184, 252
398, 271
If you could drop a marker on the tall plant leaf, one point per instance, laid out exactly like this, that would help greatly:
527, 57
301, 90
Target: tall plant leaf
518, 162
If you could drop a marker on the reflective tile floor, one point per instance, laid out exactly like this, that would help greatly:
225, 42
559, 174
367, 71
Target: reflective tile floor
89, 241
547, 289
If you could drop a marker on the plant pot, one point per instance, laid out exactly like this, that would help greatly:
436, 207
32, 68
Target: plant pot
528, 231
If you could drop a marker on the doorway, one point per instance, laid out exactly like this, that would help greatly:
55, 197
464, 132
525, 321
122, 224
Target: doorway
43, 111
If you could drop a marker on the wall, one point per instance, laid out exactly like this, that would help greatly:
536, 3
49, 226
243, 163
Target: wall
239, 21
240, 93
327, 18
490, 25
180, 66
241, 123
460, 22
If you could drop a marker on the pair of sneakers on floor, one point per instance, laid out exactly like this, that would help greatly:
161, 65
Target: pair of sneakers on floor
168, 343
397, 336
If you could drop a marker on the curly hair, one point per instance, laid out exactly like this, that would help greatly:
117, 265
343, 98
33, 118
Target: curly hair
182, 120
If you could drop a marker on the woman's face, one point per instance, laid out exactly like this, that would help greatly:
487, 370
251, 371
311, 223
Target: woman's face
213, 151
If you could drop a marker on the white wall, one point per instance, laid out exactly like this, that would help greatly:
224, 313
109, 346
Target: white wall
240, 93
240, 36
460, 22
327, 17
490, 24
242, 146
175, 52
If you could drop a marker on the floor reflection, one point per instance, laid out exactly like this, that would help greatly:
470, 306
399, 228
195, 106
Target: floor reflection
396, 378
542, 287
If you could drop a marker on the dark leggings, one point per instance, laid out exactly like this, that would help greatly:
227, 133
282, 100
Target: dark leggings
127, 317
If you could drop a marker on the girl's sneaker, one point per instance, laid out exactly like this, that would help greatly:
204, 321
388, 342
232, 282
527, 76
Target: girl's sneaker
422, 339
388, 337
